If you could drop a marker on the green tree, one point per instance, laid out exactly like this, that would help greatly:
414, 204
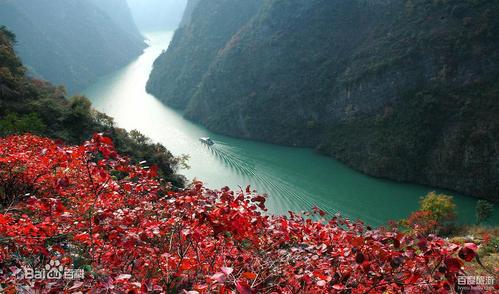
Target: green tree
81, 106
441, 206
483, 211
13, 123
80, 116
10, 35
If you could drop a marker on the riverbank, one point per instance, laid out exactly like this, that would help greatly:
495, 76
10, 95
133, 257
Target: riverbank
295, 178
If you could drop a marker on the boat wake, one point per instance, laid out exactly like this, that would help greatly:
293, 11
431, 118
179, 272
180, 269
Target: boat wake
283, 195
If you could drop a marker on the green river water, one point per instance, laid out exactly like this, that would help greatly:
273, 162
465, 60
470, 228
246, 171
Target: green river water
295, 179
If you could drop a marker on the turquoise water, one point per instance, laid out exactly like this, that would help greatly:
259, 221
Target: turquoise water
295, 179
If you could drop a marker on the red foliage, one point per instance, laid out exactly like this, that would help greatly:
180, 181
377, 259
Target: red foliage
88, 207
422, 222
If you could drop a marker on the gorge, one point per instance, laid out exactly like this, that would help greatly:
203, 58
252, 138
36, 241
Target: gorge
294, 178
391, 88
264, 146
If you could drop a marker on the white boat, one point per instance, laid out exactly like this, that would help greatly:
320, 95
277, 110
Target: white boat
207, 141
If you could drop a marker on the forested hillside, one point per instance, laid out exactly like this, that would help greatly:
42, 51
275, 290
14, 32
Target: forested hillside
402, 89
36, 106
72, 42
178, 72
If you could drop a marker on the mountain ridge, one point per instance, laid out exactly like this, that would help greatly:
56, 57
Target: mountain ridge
69, 42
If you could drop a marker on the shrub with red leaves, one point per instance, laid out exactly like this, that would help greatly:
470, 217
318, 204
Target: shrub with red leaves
88, 207
422, 222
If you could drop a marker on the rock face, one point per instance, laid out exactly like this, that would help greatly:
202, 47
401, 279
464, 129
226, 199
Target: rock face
405, 90
72, 42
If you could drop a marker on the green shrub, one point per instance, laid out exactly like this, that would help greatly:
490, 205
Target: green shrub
14, 123
441, 206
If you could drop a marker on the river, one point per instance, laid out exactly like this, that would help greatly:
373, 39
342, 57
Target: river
295, 179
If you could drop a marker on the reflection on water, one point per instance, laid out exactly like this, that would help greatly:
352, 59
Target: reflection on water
295, 178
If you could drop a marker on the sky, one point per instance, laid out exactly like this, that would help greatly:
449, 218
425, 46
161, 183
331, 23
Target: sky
153, 15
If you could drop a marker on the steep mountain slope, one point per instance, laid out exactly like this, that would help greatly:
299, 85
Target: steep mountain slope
35, 106
189, 9
120, 13
68, 42
400, 89
178, 72
279, 70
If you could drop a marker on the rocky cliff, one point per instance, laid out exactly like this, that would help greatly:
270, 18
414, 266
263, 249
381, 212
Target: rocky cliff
400, 89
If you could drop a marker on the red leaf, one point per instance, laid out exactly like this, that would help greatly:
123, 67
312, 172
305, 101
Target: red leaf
186, 265
412, 279
60, 208
154, 171
106, 140
81, 237
468, 252
319, 275
357, 241
453, 264
284, 224
249, 276
471, 246
4, 219
243, 287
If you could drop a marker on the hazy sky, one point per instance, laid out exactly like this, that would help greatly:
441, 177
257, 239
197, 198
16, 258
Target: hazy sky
157, 14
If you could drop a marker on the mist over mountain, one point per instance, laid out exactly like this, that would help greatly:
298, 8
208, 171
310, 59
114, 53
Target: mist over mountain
153, 15
392, 88
120, 13
72, 42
